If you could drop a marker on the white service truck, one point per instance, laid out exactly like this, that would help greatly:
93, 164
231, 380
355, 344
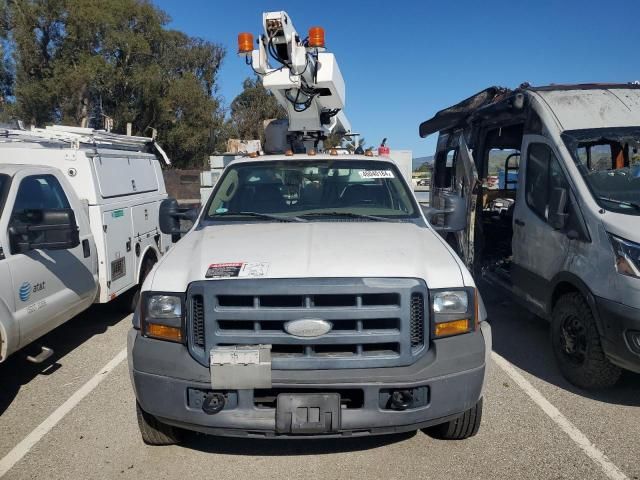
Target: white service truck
311, 297
78, 225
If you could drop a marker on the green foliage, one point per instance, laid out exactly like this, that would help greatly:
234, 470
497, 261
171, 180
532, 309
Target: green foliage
79, 60
251, 108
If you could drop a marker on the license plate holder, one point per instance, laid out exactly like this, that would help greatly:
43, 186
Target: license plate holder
240, 367
308, 413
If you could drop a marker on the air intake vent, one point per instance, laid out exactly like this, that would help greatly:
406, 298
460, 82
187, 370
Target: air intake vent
417, 320
118, 269
197, 316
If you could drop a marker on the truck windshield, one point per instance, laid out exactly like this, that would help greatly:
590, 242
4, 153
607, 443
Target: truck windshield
609, 161
311, 190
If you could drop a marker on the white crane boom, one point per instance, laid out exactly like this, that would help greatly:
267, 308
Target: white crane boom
305, 80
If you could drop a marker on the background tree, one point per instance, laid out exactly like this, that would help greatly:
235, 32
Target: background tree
250, 108
77, 61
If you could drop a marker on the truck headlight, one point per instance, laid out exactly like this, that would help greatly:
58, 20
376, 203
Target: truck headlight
162, 317
454, 311
627, 255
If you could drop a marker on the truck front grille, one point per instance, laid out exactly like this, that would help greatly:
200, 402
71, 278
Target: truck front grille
417, 320
375, 322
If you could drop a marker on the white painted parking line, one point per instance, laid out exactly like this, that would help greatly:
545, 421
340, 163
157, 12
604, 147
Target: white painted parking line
607, 466
22, 448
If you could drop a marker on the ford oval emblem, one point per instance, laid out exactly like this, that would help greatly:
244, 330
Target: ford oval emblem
308, 327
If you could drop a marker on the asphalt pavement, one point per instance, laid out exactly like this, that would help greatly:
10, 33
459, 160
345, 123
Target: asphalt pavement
74, 417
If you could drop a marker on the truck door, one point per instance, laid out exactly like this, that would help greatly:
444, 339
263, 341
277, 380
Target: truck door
467, 179
49, 286
539, 250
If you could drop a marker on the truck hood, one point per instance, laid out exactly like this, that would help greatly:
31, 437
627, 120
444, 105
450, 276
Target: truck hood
312, 250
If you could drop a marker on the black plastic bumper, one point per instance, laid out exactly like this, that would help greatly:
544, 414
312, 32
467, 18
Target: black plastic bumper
453, 371
621, 325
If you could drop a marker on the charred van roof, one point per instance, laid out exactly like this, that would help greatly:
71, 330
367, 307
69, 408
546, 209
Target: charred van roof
495, 99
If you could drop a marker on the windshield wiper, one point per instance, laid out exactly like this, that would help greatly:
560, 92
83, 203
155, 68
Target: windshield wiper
375, 218
258, 215
620, 202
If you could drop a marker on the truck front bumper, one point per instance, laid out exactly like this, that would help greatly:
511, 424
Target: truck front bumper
165, 376
621, 339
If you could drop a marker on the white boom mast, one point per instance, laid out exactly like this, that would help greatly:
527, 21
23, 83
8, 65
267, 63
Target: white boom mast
306, 80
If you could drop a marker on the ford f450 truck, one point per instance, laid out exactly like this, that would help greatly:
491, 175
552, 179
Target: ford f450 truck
311, 297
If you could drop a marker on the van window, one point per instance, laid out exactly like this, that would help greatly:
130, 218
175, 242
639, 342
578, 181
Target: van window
445, 167
543, 175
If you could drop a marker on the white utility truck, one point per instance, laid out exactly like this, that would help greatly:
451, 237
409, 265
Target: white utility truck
78, 225
311, 297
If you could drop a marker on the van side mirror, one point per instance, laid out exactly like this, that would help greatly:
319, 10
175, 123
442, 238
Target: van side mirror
46, 229
171, 214
454, 213
558, 217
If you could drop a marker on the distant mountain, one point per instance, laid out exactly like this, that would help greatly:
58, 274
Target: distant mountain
417, 162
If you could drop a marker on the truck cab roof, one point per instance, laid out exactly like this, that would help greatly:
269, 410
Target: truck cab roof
12, 169
307, 157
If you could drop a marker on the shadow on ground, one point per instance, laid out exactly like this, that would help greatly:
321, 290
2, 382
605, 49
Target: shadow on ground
282, 447
523, 339
17, 371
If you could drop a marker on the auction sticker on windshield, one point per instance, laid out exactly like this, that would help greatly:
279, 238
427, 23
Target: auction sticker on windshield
376, 174
237, 269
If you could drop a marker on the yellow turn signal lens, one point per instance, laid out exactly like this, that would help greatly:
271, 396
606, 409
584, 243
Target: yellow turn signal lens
164, 332
454, 327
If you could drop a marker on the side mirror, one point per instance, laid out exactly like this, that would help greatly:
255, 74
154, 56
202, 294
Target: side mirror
171, 214
557, 208
454, 213
44, 229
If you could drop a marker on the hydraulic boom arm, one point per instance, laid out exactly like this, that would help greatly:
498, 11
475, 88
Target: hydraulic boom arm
305, 78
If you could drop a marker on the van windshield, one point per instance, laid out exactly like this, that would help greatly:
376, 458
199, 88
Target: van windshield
609, 161
311, 190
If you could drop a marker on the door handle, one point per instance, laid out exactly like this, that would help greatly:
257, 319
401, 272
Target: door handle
519, 222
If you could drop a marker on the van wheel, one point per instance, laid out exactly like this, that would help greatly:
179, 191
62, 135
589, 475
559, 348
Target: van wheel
576, 345
461, 428
154, 432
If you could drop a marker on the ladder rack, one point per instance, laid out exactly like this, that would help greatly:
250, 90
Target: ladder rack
76, 136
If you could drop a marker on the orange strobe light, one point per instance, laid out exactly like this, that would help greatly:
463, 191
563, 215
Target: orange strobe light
245, 43
316, 37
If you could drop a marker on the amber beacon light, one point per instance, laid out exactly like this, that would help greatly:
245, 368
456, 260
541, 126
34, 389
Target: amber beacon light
245, 43
316, 37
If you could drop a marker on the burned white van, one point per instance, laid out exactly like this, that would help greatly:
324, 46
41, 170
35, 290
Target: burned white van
567, 242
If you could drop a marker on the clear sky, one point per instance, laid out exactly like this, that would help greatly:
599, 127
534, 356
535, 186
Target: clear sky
405, 60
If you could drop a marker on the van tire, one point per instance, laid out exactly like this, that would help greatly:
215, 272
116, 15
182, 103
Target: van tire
461, 428
576, 345
154, 432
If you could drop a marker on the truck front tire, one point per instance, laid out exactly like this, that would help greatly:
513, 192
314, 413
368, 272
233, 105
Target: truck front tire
154, 432
577, 347
461, 428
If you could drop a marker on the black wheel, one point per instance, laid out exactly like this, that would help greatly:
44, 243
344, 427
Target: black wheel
461, 428
129, 300
154, 432
576, 345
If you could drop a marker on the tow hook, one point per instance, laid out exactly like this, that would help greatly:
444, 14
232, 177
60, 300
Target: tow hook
401, 399
213, 403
